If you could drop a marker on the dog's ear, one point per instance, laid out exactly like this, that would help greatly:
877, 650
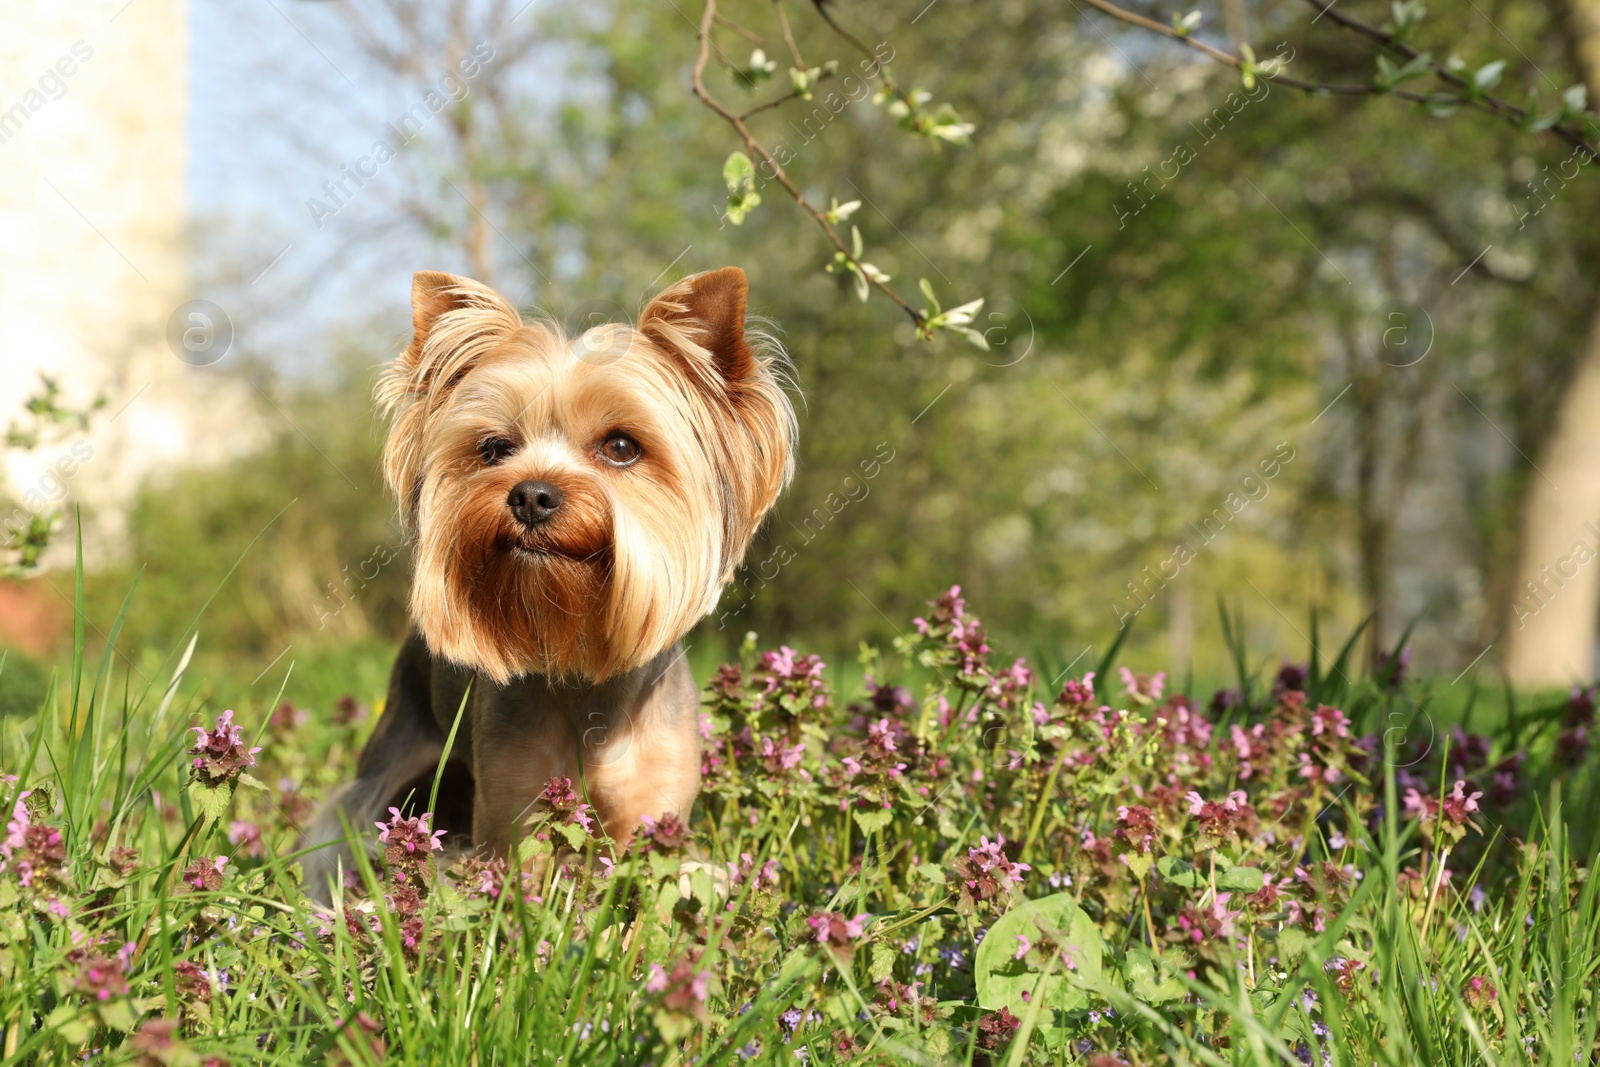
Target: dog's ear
701, 320
455, 322
433, 292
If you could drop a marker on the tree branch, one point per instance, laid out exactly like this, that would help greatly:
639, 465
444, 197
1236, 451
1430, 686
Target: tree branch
1466, 97
707, 20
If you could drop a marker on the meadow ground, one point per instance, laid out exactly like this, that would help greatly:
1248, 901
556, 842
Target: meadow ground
936, 854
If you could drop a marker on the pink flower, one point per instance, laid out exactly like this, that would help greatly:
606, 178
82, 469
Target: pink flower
246, 836
1144, 688
1136, 827
685, 987
559, 797
221, 753
409, 834
203, 875
1249, 747
986, 872
838, 931
1222, 820
777, 758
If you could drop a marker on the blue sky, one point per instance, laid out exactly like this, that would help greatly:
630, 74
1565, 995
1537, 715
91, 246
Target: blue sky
280, 99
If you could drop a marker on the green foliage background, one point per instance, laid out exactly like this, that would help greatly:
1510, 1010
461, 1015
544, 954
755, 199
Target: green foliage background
1122, 398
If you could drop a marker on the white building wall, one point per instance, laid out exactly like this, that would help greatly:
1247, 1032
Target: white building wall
93, 256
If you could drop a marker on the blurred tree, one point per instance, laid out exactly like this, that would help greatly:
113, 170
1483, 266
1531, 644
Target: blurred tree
1189, 284
1380, 246
1551, 622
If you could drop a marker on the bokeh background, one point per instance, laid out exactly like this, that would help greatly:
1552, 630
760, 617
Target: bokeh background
1392, 311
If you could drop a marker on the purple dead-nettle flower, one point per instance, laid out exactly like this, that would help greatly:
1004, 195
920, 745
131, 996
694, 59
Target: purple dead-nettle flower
1136, 826
560, 798
764, 877
408, 845
1078, 693
100, 978
1572, 746
779, 758
1024, 946
220, 754
1219, 821
409, 835
881, 743
35, 852
684, 988
246, 836
892, 699
989, 859
1143, 688
791, 677
1331, 721
204, 874
1452, 813
1291, 677
834, 927
985, 873
665, 834
1392, 670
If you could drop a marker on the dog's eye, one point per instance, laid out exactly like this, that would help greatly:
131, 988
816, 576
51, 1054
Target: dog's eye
495, 449
619, 450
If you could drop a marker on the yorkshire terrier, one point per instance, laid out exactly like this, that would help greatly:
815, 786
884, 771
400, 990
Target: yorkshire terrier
575, 507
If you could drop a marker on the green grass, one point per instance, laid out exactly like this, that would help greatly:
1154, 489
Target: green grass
1176, 955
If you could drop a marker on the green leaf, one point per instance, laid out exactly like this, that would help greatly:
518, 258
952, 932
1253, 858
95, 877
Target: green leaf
1488, 75
117, 1014
882, 965
69, 1021
1138, 863
1292, 943
872, 820
1241, 879
211, 800
1002, 979
1146, 980
667, 899
740, 176
737, 171
1181, 872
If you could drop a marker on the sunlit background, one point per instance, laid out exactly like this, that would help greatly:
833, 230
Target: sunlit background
1296, 355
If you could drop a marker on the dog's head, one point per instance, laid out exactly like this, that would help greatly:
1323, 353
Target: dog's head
577, 505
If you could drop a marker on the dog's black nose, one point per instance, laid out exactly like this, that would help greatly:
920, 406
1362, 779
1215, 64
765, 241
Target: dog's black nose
533, 502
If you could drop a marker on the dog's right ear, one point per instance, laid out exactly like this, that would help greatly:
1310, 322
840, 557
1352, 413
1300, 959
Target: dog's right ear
433, 292
450, 318
455, 322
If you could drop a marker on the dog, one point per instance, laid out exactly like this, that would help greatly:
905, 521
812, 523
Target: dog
575, 507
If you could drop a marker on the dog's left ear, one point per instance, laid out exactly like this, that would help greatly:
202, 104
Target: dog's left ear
701, 320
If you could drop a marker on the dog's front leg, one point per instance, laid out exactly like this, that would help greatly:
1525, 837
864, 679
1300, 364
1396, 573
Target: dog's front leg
515, 752
644, 758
